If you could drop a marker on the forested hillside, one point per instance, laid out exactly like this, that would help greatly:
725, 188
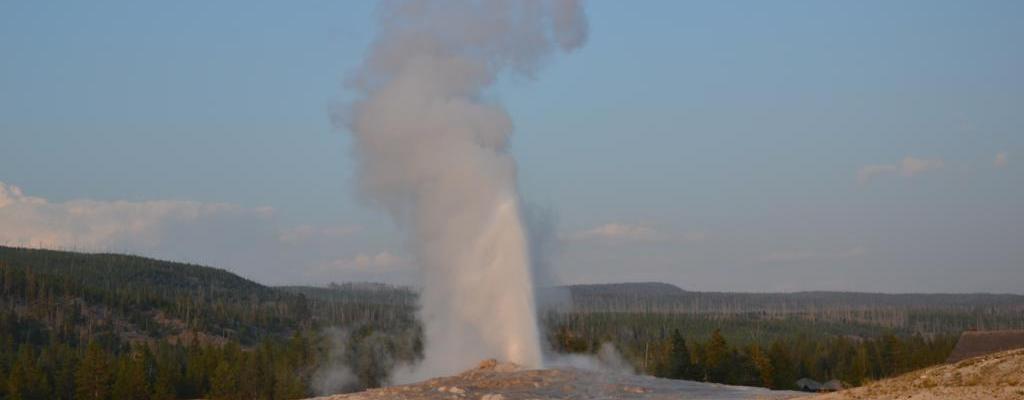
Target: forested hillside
107, 326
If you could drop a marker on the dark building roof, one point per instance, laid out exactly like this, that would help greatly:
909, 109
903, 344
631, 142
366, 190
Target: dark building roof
811, 385
979, 343
808, 385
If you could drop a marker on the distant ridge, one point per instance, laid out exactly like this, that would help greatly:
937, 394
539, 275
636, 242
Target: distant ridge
137, 298
248, 310
645, 288
110, 270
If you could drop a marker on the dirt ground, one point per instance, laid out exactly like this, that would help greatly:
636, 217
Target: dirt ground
996, 376
500, 381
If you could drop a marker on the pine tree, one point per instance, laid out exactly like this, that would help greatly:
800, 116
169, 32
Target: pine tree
196, 378
764, 366
859, 366
167, 371
680, 366
130, 381
286, 384
26, 380
60, 361
163, 388
92, 380
248, 377
224, 382
739, 369
16, 383
716, 357
893, 355
265, 373
783, 367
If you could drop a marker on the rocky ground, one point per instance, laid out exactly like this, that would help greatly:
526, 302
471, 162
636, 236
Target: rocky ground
502, 381
996, 376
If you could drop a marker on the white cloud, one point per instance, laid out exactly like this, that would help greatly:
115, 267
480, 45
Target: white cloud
618, 232
101, 225
10, 194
913, 166
305, 233
381, 262
907, 168
245, 240
1002, 159
869, 171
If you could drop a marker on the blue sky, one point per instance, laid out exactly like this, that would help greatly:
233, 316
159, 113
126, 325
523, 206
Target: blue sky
755, 146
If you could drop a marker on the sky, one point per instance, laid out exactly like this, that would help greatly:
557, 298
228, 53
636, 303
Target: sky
719, 146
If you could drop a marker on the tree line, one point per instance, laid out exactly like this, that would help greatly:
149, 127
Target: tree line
272, 369
91, 326
777, 365
80, 326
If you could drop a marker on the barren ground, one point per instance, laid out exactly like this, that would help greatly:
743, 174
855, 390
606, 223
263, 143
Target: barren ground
995, 376
500, 381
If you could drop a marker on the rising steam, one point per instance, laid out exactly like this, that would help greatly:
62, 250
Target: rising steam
432, 150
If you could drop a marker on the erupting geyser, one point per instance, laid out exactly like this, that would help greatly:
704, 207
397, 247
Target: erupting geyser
432, 149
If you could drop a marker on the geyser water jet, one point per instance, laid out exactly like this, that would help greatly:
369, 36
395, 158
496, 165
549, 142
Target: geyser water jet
432, 149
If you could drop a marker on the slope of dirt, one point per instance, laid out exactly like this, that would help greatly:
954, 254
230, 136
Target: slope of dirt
977, 343
502, 381
995, 376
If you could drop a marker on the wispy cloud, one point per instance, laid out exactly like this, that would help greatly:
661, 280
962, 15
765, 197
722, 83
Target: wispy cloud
618, 232
102, 225
303, 233
246, 240
1002, 160
804, 255
908, 167
381, 262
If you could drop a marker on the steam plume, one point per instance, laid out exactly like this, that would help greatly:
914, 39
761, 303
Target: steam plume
432, 149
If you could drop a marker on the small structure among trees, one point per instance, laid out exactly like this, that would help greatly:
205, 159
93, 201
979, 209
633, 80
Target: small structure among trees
811, 385
808, 385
